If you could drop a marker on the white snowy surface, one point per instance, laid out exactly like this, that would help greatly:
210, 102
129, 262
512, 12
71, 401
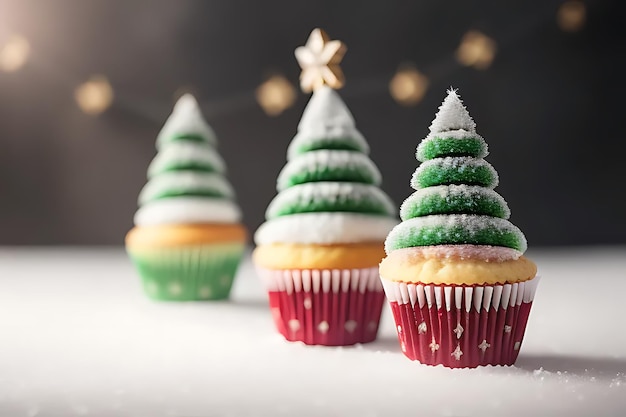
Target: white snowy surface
78, 337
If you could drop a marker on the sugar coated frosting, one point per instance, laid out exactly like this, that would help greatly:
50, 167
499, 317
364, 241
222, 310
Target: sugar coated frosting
329, 190
455, 203
324, 228
186, 179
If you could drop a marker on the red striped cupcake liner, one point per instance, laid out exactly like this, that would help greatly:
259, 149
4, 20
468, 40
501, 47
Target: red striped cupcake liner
328, 307
461, 326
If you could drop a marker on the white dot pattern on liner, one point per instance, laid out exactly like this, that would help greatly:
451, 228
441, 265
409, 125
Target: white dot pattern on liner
458, 330
484, 346
152, 287
205, 292
434, 346
422, 328
323, 327
294, 325
324, 228
457, 353
307, 303
175, 288
350, 326
372, 326
517, 345
507, 328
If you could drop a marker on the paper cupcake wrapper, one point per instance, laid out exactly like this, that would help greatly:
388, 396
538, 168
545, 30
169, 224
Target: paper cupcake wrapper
325, 307
461, 326
193, 272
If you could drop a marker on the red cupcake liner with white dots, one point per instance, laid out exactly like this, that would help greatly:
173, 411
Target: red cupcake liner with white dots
325, 307
460, 326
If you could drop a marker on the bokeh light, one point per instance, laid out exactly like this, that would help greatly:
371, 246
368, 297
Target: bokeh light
476, 50
95, 95
275, 95
408, 86
14, 53
571, 16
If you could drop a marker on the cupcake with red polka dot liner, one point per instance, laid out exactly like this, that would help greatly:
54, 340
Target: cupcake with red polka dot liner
318, 250
455, 276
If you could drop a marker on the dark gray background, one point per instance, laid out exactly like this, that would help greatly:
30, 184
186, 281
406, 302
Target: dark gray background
550, 107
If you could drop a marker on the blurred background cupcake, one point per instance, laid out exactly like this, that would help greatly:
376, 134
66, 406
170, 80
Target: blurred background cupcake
319, 249
187, 241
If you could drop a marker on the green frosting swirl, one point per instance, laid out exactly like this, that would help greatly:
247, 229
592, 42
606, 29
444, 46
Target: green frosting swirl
455, 170
454, 203
435, 147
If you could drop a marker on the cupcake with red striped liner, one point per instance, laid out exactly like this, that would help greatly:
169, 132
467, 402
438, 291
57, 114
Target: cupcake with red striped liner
455, 276
318, 250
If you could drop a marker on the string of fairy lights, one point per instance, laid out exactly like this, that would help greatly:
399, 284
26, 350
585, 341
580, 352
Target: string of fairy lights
276, 94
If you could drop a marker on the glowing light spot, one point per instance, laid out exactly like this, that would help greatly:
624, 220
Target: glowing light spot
14, 53
95, 95
275, 95
571, 16
408, 86
476, 50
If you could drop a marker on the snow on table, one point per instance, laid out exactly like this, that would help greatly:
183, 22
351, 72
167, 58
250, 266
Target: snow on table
78, 337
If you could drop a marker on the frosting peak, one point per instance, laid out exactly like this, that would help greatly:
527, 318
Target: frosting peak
452, 115
186, 121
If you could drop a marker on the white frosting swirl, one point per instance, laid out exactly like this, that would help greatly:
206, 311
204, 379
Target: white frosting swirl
324, 228
182, 210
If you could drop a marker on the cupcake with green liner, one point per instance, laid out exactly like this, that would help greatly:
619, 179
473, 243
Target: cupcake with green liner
188, 239
455, 276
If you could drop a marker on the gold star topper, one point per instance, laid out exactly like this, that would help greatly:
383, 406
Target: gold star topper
319, 60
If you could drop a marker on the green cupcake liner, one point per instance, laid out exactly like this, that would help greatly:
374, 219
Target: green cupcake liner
188, 273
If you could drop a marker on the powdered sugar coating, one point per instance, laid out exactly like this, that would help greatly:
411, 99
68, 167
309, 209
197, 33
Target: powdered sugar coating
455, 170
330, 196
185, 155
324, 228
327, 165
454, 199
452, 115
326, 123
186, 120
453, 142
455, 229
173, 183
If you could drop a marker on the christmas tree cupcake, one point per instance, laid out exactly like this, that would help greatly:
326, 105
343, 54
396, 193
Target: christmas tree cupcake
188, 240
455, 276
319, 249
